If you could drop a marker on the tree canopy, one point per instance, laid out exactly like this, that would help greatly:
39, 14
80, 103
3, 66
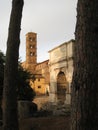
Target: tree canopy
24, 91
2, 61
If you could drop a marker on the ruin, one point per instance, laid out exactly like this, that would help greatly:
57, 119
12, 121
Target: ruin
54, 75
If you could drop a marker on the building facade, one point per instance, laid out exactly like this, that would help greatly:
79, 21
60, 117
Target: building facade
61, 70
39, 70
54, 75
61, 67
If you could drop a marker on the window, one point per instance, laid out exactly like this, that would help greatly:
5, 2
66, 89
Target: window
31, 54
39, 87
31, 46
38, 79
31, 39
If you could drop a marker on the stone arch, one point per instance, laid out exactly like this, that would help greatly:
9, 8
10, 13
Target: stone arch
61, 83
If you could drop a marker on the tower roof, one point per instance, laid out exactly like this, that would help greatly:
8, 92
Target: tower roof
30, 33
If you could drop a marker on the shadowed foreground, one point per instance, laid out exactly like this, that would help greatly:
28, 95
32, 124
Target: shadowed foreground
46, 123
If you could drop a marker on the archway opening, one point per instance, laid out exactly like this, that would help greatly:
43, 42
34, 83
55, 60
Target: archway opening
61, 84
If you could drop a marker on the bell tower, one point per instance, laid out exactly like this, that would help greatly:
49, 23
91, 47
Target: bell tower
31, 51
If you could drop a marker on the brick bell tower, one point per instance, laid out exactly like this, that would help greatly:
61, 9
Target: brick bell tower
31, 51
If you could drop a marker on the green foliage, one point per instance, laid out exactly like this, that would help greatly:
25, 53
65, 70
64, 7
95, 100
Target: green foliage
24, 91
2, 61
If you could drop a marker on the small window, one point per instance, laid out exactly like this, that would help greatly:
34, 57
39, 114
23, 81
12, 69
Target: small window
38, 79
31, 39
31, 46
39, 87
31, 54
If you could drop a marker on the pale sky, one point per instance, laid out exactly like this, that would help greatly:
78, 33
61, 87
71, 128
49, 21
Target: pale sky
53, 21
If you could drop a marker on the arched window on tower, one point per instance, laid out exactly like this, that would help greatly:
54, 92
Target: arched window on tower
31, 46
30, 38
31, 54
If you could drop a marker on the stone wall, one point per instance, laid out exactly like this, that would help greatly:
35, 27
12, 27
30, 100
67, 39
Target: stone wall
61, 59
26, 109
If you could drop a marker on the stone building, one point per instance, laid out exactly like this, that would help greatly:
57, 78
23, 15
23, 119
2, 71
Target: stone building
53, 75
61, 70
40, 70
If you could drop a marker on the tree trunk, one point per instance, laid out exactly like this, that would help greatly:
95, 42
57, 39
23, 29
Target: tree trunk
85, 76
10, 117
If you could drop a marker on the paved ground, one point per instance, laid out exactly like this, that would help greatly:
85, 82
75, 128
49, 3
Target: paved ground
56, 122
46, 123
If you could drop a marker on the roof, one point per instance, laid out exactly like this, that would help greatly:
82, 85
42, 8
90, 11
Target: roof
72, 40
42, 62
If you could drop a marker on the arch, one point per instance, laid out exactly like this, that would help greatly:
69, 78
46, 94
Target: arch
61, 83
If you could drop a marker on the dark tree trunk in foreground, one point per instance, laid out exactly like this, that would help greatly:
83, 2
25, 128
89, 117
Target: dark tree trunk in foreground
10, 118
85, 76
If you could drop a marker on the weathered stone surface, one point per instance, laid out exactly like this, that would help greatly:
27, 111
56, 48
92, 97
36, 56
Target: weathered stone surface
57, 107
61, 61
26, 109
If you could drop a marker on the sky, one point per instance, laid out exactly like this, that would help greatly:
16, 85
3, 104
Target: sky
53, 20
